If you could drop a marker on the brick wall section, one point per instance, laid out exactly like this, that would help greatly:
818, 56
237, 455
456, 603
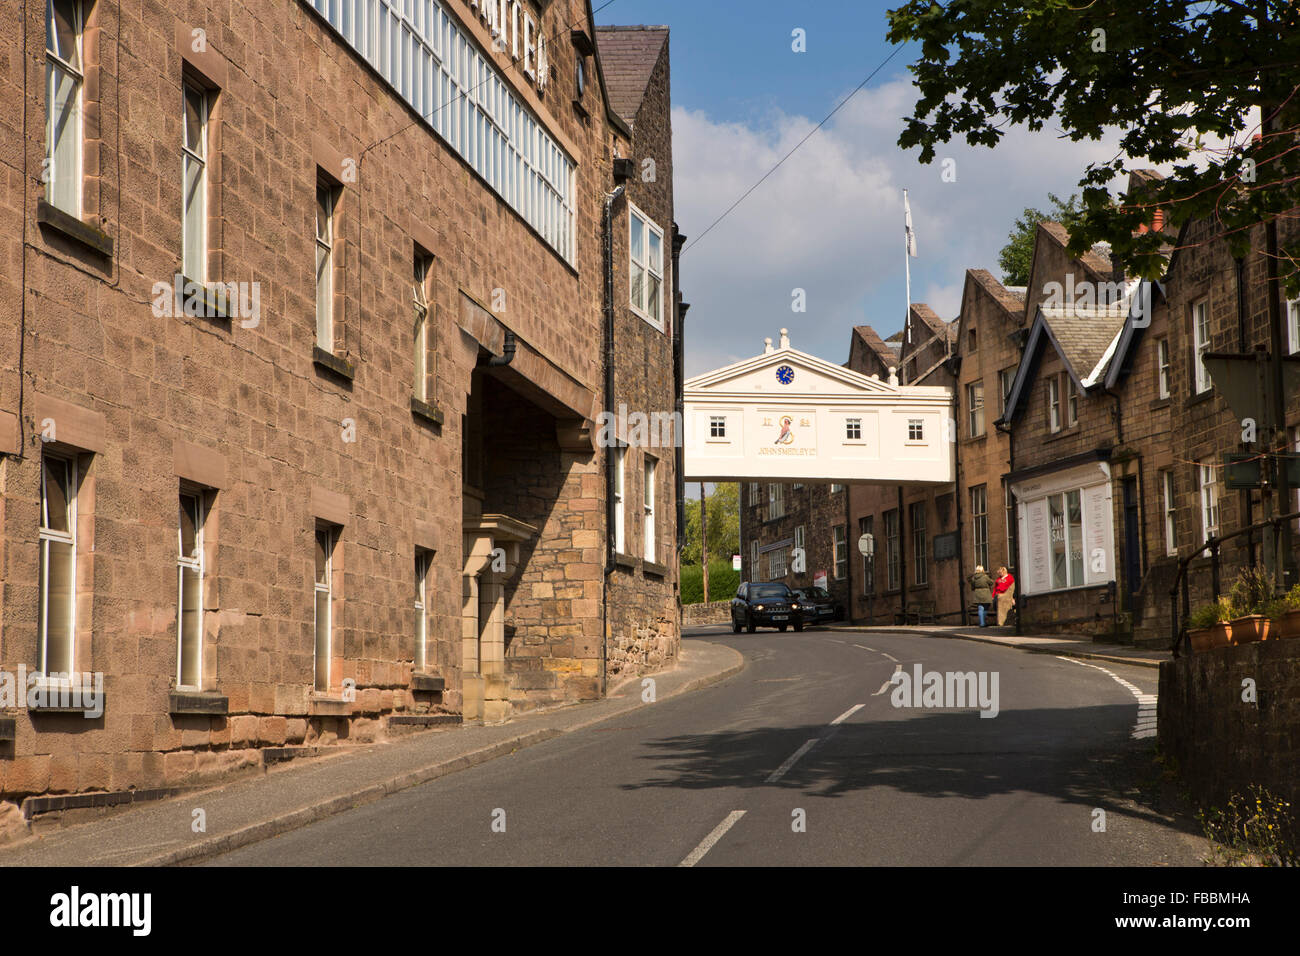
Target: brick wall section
1222, 744
253, 396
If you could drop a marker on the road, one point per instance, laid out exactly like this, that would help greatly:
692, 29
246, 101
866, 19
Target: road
801, 759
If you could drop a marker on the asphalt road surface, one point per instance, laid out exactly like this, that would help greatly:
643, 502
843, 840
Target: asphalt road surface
801, 759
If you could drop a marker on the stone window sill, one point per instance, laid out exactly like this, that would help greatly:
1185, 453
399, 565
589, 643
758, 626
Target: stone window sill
8, 728
622, 560
183, 703
96, 240
327, 705
1204, 396
211, 304
654, 569
333, 363
56, 697
1160, 403
423, 410
428, 683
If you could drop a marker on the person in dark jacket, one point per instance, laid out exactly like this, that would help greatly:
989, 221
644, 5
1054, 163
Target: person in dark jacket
981, 586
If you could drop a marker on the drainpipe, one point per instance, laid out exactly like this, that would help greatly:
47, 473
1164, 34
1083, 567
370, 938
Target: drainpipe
1247, 495
610, 544
679, 377
1014, 530
507, 352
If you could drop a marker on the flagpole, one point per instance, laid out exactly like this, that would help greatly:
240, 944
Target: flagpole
907, 266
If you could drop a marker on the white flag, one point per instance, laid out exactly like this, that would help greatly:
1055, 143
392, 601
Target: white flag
908, 234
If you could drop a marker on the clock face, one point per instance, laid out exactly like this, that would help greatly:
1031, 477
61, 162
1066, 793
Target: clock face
785, 375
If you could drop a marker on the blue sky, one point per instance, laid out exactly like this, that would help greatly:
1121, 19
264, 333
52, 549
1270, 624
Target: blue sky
829, 221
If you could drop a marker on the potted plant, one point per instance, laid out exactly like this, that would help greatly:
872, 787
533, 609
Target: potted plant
1284, 612
1249, 599
1202, 632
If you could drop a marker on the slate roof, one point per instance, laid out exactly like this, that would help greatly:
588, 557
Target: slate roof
1084, 335
627, 57
1098, 264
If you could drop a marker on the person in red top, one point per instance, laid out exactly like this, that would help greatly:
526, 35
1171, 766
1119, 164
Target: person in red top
1004, 594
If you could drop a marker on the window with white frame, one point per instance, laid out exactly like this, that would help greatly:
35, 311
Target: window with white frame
64, 82
326, 198
755, 494
421, 607
1171, 528
717, 426
1054, 403
840, 544
775, 500
1162, 367
979, 517
429, 59
194, 174
649, 506
326, 539
189, 591
57, 570
1071, 400
1293, 325
1065, 516
915, 429
868, 563
1209, 482
975, 409
646, 270
893, 551
799, 538
1005, 379
420, 303
1200, 345
620, 523
920, 559
836, 489
776, 564
753, 559
853, 429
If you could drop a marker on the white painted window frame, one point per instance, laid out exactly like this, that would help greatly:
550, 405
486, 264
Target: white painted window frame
195, 563
46, 535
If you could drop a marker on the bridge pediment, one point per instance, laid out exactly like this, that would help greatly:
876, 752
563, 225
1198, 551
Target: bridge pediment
786, 415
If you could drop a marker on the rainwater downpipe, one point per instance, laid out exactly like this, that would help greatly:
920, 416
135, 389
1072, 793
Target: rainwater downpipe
610, 542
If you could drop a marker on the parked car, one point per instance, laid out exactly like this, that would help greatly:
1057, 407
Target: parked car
818, 605
765, 604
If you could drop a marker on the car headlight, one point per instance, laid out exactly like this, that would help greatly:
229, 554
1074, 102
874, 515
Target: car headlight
758, 607
794, 607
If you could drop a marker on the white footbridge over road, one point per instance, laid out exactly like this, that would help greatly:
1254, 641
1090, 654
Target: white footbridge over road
789, 416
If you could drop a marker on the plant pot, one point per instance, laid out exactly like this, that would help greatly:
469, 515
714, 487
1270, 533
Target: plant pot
1201, 639
1221, 634
1249, 629
1288, 625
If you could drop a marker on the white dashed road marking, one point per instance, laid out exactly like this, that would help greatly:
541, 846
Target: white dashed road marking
1146, 719
779, 772
714, 836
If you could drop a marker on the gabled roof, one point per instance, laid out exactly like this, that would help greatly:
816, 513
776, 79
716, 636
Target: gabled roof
1089, 339
716, 380
628, 56
872, 342
1013, 304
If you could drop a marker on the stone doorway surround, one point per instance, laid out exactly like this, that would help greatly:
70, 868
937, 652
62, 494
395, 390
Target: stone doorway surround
483, 611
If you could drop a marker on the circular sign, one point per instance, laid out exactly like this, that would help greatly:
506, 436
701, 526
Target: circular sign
867, 545
785, 375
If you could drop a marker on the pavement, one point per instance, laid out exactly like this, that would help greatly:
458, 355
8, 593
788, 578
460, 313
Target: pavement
213, 822
296, 794
1059, 644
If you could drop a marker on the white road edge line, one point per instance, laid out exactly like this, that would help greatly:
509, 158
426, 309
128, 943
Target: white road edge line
780, 771
714, 836
1146, 719
865, 648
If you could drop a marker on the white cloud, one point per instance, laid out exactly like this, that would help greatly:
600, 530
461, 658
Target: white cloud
830, 221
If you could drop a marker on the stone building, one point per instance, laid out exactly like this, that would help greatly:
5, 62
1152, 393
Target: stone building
307, 329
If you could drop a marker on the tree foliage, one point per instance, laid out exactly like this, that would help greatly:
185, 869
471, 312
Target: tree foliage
1017, 256
724, 523
1167, 74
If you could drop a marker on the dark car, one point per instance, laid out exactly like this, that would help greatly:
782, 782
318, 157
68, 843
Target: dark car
818, 605
765, 604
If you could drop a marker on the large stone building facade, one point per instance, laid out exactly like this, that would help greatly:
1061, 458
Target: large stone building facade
309, 318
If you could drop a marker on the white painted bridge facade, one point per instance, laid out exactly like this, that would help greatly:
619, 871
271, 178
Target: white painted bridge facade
785, 415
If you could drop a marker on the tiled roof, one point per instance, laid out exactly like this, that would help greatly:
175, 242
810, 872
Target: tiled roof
627, 57
1097, 264
887, 354
1084, 335
1007, 298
